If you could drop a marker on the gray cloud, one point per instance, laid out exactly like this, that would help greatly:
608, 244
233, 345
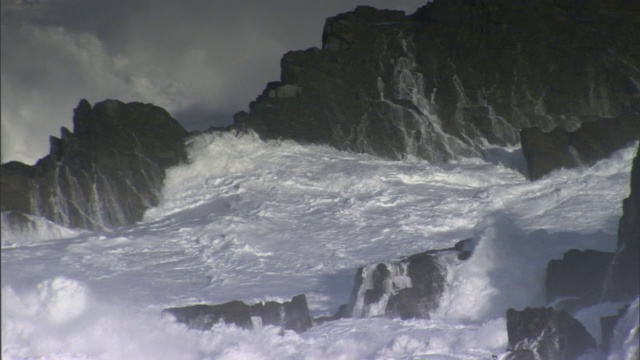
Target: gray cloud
200, 60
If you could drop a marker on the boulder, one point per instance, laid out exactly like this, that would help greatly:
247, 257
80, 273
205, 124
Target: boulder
296, 314
290, 315
105, 173
408, 288
545, 333
579, 275
454, 76
593, 141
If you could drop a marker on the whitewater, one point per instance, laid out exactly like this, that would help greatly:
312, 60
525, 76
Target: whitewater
254, 221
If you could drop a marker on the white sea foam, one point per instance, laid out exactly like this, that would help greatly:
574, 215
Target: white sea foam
256, 221
35, 229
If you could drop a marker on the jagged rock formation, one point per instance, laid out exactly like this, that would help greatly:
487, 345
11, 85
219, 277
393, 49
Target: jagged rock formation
455, 75
623, 281
545, 333
104, 174
559, 148
408, 288
291, 315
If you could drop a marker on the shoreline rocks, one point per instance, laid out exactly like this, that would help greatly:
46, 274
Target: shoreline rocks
104, 174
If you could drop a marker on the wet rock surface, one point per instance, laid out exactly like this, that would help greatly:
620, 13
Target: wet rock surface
453, 76
408, 288
290, 315
559, 148
104, 174
545, 333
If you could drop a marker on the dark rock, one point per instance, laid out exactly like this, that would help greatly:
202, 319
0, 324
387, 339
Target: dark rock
579, 275
464, 248
104, 174
293, 315
595, 140
272, 313
623, 281
410, 303
408, 288
203, 317
608, 325
455, 75
545, 333
296, 314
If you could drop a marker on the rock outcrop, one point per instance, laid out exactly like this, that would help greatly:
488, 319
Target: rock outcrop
559, 148
623, 280
408, 288
104, 174
545, 333
454, 76
291, 315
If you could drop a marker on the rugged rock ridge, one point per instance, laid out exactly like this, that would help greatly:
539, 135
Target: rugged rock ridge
455, 75
103, 174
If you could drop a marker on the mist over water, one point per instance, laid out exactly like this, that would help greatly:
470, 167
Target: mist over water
200, 60
257, 221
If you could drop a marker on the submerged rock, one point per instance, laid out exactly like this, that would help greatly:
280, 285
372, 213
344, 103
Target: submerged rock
291, 315
454, 76
545, 333
104, 174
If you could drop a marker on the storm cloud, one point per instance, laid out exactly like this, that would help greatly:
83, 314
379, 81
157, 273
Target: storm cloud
201, 60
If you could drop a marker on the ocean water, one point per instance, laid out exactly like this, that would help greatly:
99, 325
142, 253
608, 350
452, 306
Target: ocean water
254, 221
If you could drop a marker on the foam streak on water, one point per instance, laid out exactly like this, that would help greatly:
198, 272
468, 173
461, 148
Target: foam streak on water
260, 221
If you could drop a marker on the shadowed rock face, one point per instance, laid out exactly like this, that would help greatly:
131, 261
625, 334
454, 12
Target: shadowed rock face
104, 174
408, 288
559, 148
454, 75
623, 282
545, 333
579, 275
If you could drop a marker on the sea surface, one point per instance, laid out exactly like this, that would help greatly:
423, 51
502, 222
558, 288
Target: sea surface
255, 221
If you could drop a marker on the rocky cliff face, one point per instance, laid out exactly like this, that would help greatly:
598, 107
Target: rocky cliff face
454, 76
103, 174
624, 273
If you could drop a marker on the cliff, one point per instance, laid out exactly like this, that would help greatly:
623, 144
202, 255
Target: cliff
455, 76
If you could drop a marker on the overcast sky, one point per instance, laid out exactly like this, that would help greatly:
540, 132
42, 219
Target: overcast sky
199, 59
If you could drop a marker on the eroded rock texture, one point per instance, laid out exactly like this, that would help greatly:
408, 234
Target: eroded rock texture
455, 75
623, 281
545, 333
104, 174
408, 288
